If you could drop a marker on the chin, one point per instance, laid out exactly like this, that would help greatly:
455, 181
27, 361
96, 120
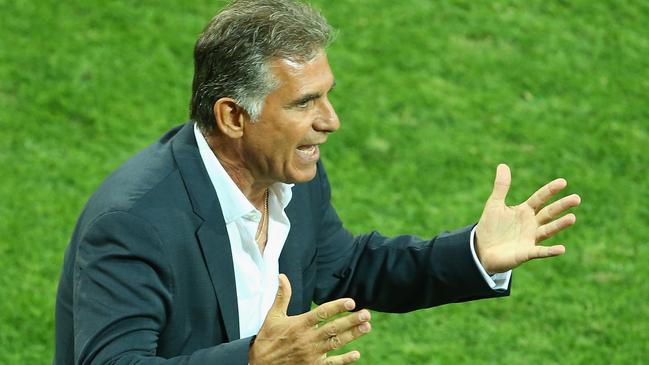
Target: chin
303, 176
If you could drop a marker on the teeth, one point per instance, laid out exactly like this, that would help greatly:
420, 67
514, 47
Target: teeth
307, 151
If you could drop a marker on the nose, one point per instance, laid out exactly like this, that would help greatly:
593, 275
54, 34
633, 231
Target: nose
328, 120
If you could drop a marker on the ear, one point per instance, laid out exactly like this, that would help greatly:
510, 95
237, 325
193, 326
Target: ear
230, 117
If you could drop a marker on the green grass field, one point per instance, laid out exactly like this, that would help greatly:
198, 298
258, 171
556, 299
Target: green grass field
432, 95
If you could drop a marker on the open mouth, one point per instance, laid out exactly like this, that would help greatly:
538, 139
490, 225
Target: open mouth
308, 152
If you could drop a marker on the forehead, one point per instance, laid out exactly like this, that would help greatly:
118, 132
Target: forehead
303, 76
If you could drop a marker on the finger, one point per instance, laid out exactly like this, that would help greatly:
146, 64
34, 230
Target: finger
557, 208
344, 338
282, 298
501, 183
347, 358
539, 252
343, 324
327, 310
548, 230
541, 196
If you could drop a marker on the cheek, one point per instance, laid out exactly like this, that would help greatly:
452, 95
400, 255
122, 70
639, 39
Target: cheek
293, 135
282, 134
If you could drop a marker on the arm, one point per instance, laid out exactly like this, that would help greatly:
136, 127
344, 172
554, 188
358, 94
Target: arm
123, 292
406, 273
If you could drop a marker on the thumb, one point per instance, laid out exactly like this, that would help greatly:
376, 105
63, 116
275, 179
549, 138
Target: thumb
502, 182
283, 297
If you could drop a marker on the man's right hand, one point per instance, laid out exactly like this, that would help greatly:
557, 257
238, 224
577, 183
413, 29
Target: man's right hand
305, 338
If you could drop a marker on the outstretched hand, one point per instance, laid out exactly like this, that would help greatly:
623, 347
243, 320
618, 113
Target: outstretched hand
507, 236
306, 338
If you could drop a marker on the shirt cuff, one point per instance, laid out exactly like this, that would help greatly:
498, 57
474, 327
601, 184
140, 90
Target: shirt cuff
498, 281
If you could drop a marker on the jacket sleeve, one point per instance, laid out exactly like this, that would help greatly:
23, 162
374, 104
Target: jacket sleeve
123, 288
396, 274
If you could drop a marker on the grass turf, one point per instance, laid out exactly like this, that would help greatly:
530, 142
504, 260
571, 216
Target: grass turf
432, 95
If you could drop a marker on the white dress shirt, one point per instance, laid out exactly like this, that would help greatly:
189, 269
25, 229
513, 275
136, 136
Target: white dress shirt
255, 273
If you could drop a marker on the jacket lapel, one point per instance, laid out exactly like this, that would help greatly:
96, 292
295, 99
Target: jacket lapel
290, 261
215, 246
211, 234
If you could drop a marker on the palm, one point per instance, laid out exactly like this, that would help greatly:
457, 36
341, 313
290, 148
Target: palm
508, 236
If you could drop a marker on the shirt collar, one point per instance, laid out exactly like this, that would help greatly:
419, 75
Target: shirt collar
234, 204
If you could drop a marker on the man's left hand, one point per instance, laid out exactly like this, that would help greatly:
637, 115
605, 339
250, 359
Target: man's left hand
507, 236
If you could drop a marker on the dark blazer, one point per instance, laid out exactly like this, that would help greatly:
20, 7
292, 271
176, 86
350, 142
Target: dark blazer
148, 274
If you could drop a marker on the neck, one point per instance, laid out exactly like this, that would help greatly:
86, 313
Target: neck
233, 164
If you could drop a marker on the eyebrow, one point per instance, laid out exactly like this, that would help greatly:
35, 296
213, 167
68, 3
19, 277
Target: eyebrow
310, 96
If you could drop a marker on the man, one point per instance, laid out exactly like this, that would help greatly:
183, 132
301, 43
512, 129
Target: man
176, 258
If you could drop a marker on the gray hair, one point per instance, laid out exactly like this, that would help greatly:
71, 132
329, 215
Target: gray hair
232, 55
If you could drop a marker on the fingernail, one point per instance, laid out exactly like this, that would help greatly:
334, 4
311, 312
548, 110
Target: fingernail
365, 327
349, 305
356, 355
363, 316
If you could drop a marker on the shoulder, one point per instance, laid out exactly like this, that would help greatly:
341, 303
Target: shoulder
140, 182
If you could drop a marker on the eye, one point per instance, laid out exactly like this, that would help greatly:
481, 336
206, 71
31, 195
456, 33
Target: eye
304, 104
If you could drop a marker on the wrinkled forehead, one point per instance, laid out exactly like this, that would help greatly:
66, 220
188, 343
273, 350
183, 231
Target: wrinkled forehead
303, 73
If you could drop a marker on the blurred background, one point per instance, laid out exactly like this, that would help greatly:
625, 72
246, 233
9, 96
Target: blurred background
432, 95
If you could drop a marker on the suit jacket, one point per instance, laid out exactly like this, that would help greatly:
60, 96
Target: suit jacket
148, 275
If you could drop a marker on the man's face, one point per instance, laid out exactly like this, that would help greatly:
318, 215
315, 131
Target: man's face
296, 118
